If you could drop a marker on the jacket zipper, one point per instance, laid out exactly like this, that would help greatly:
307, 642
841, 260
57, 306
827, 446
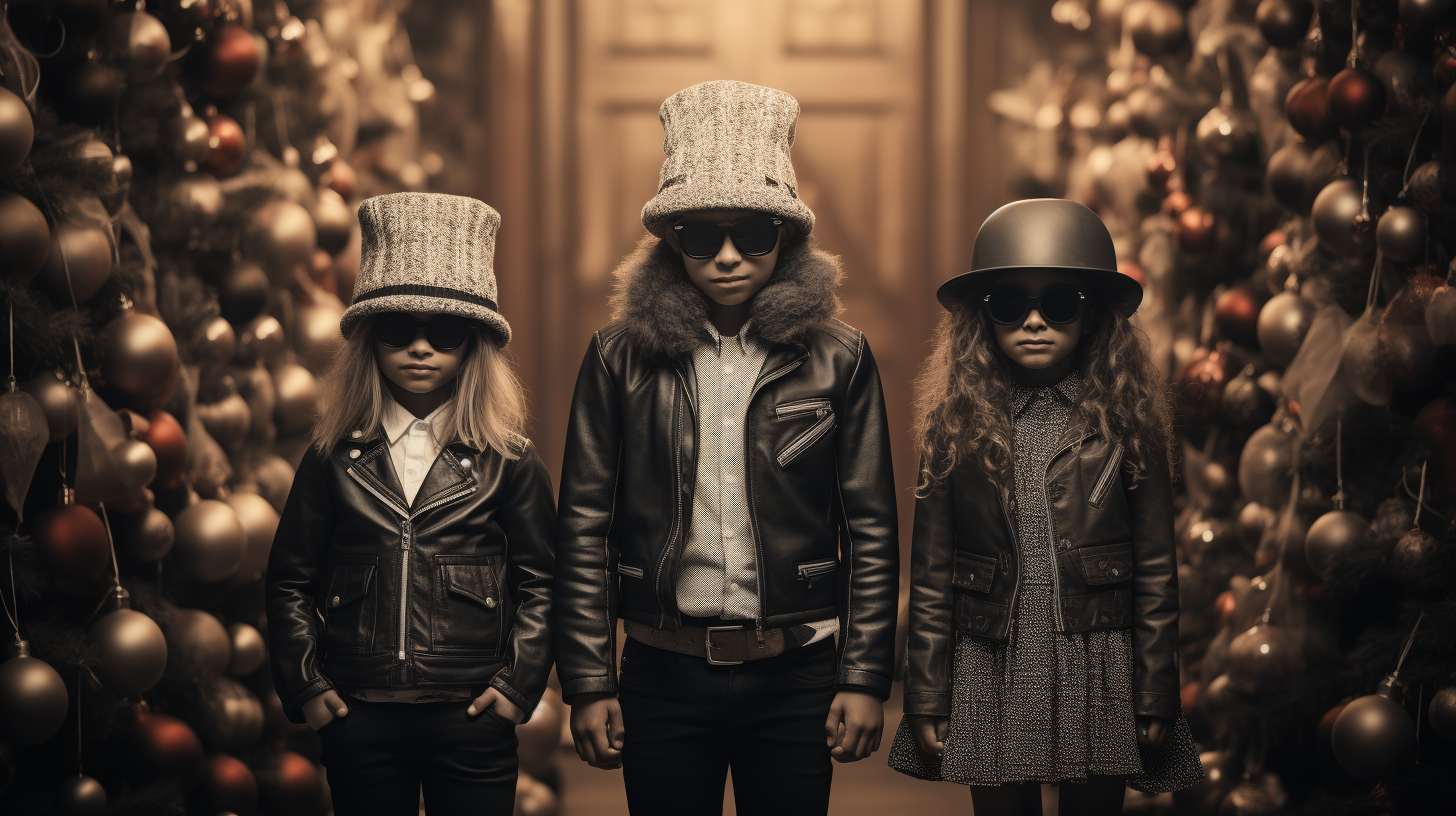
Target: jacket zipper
789, 410
748, 470
1052, 533
1104, 481
808, 572
808, 438
677, 518
404, 584
1015, 579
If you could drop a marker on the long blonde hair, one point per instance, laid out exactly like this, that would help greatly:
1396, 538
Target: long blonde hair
487, 410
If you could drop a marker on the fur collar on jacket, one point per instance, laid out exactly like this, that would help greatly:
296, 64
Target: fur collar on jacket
665, 315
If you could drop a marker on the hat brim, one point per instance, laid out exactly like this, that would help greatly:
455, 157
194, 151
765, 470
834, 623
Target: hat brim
492, 320
659, 214
1120, 292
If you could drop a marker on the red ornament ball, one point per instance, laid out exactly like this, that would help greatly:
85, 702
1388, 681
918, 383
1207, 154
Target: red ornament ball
1195, 228
1308, 108
1356, 98
71, 541
167, 439
227, 786
1133, 270
1161, 166
1200, 387
1176, 202
1236, 312
231, 61
1224, 605
229, 144
162, 748
288, 785
1435, 426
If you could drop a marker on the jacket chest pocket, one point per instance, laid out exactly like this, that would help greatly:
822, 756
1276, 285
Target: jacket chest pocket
348, 605
823, 414
1106, 478
973, 572
468, 605
814, 572
1108, 564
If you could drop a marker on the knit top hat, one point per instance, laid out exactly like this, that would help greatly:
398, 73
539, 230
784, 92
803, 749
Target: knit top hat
427, 252
727, 146
1046, 233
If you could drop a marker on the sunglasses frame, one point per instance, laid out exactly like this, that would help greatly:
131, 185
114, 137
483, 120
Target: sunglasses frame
1033, 303
425, 327
728, 231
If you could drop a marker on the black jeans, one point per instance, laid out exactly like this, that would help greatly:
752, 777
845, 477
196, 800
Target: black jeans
380, 755
688, 721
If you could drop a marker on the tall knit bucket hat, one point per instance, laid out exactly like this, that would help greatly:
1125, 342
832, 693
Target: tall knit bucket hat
727, 146
427, 252
1046, 233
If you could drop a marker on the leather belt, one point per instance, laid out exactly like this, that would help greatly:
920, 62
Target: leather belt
721, 645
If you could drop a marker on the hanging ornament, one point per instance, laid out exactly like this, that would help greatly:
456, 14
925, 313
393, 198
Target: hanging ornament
1361, 358
141, 353
1224, 606
275, 478
341, 178
1149, 111
1435, 427
233, 718
1339, 533
79, 258
23, 436
1201, 385
197, 644
164, 434
25, 237
316, 335
261, 339
1441, 316
243, 293
1175, 203
248, 649
1236, 312
131, 650
80, 796
1442, 713
283, 237
186, 207
1425, 185
161, 748
17, 132
1161, 165
1374, 736
33, 698
1356, 98
256, 386
1286, 173
1403, 77
1284, 22
71, 543
216, 344
1253, 521
260, 523
1156, 27
57, 399
1246, 403
190, 137
1261, 659
1405, 344
334, 219
226, 420
1283, 323
150, 537
288, 784
140, 45
136, 463
226, 786
1334, 212
1229, 132
211, 542
228, 143
1308, 108
1401, 234
231, 60
1195, 228
1410, 558
99, 435
297, 398
1266, 464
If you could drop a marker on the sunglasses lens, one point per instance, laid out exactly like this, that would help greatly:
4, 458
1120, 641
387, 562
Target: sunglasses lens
755, 236
1007, 306
1061, 304
447, 332
395, 329
699, 239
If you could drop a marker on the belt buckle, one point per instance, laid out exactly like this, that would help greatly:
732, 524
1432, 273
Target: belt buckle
708, 645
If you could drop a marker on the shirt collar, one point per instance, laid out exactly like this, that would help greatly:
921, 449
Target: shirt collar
746, 343
1067, 390
397, 420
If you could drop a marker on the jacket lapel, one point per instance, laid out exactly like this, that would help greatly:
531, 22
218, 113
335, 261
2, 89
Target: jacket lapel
376, 469
445, 475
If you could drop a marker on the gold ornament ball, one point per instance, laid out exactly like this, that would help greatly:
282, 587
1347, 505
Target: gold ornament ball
211, 542
57, 399
260, 523
248, 650
141, 353
132, 652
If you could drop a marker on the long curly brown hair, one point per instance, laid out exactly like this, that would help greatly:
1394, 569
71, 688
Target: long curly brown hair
965, 385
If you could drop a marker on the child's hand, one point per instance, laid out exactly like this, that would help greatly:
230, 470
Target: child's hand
496, 701
597, 730
930, 733
322, 709
854, 725
1152, 730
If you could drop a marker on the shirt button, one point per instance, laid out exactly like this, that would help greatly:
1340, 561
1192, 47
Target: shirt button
728, 369
412, 471
728, 422
733, 585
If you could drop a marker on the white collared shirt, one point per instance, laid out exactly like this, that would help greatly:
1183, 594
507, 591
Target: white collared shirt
414, 444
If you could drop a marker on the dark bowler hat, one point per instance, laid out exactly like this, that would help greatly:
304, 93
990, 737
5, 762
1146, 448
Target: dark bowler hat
1046, 233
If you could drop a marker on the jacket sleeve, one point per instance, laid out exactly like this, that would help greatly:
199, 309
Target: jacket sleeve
869, 535
528, 518
585, 610
1154, 590
929, 642
300, 552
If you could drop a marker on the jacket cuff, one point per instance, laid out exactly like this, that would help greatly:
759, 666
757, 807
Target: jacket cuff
501, 684
601, 684
927, 704
1157, 705
294, 708
867, 682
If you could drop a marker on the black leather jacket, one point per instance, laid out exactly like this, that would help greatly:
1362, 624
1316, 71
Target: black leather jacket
1115, 568
820, 490
367, 591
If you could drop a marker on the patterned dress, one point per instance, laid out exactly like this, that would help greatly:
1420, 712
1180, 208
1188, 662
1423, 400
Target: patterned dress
1045, 706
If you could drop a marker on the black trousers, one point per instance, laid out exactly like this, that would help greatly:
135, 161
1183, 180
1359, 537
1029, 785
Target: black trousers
687, 722
380, 755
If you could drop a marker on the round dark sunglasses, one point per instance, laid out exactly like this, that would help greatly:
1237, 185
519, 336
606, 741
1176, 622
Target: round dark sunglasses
1059, 303
445, 332
756, 235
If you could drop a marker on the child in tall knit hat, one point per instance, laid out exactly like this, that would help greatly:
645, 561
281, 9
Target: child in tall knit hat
727, 490
409, 586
